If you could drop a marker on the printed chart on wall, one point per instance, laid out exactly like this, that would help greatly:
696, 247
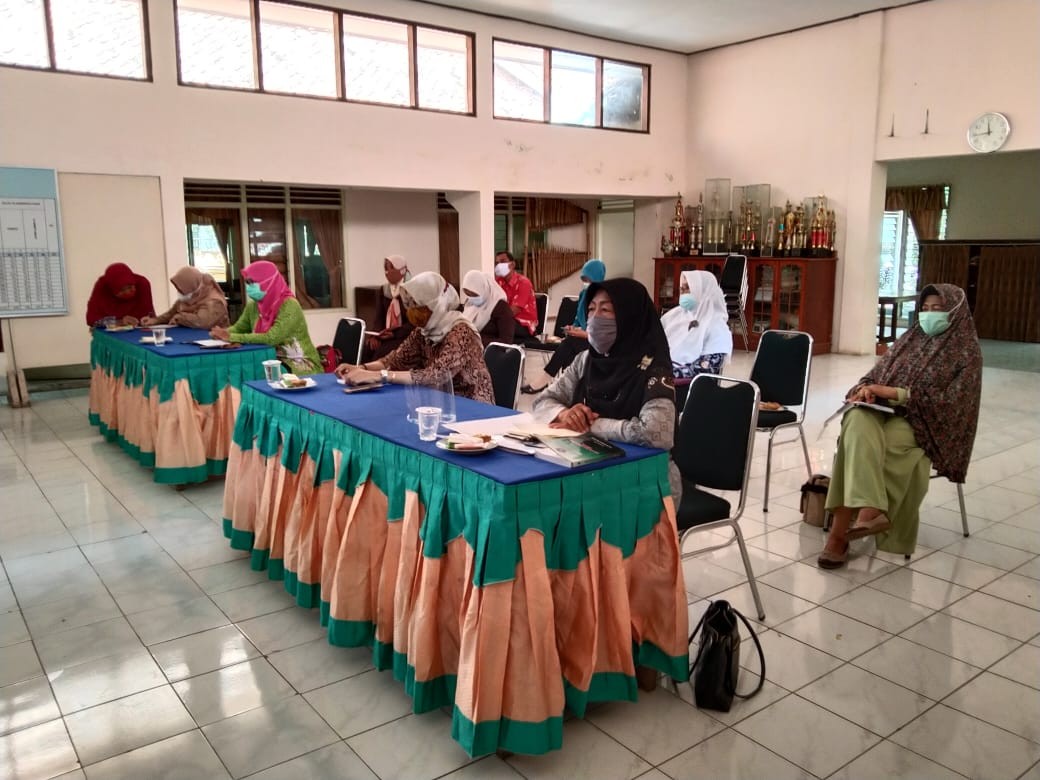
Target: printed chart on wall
32, 265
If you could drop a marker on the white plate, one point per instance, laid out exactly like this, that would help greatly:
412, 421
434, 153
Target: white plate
279, 386
151, 340
442, 444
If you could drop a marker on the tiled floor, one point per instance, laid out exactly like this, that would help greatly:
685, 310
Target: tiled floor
134, 643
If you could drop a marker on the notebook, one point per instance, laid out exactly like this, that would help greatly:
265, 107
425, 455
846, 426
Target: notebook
577, 450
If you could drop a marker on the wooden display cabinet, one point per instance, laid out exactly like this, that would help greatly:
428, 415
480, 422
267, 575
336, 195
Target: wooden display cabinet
784, 293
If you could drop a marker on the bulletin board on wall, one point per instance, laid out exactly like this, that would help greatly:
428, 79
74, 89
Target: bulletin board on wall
32, 263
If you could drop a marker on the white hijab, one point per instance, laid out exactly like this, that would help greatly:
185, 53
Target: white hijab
429, 289
488, 289
711, 335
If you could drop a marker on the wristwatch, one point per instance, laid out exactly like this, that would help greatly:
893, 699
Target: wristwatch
385, 376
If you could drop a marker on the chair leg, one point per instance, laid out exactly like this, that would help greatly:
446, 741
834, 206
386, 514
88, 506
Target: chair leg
805, 451
743, 327
750, 573
964, 511
769, 468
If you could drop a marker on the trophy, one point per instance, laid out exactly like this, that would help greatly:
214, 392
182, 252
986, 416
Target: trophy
715, 233
678, 233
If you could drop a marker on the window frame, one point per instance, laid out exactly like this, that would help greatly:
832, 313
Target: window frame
547, 52
146, 44
340, 64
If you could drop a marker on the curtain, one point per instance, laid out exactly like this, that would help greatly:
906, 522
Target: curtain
943, 262
1008, 293
923, 205
328, 233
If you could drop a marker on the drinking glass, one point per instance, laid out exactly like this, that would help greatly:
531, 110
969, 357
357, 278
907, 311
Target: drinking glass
159, 336
429, 421
272, 371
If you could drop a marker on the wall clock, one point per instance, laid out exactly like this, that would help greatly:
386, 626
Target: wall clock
989, 132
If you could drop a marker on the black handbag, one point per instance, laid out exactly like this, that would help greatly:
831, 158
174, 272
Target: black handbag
714, 671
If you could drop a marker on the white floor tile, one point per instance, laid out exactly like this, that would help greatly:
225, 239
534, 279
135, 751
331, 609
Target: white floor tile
961, 571
960, 639
1002, 702
1002, 616
808, 582
232, 690
360, 703
1017, 588
172, 621
586, 752
731, 754
919, 588
41, 751
431, 752
186, 755
1022, 666
833, 633
203, 652
888, 760
105, 679
334, 761
864, 698
18, 663
26, 704
316, 664
928, 672
86, 643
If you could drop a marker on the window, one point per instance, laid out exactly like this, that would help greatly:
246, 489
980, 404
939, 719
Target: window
98, 37
562, 87
299, 49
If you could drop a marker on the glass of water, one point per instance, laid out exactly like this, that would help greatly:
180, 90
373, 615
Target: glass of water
429, 421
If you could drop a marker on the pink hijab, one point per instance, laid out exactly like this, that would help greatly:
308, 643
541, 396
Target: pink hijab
276, 292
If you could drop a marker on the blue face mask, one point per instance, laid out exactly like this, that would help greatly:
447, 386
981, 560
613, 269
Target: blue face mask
254, 292
934, 323
687, 302
476, 300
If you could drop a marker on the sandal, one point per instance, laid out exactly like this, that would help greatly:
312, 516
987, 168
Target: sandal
878, 525
526, 389
830, 560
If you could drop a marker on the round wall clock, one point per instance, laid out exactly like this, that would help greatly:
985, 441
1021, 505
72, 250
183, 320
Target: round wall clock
989, 132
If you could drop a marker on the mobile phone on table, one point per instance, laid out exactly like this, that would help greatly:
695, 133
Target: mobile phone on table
362, 388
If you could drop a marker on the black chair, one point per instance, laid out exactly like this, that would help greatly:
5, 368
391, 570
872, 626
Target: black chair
541, 302
564, 316
505, 363
713, 450
781, 371
734, 283
349, 339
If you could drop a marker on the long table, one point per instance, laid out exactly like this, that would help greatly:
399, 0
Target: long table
503, 586
171, 408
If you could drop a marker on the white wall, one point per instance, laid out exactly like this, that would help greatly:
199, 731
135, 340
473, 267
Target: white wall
615, 235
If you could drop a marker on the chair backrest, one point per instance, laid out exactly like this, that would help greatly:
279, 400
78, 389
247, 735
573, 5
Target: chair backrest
349, 338
541, 302
505, 363
733, 279
717, 433
565, 314
781, 368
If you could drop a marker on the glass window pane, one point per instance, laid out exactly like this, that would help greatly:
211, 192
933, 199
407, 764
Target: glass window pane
623, 90
375, 57
216, 43
443, 65
267, 238
299, 51
318, 271
519, 81
573, 89
23, 33
99, 36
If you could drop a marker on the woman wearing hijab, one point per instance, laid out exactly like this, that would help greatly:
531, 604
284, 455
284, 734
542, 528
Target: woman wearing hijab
200, 302
575, 339
621, 387
486, 307
273, 316
698, 331
391, 313
443, 340
122, 294
932, 377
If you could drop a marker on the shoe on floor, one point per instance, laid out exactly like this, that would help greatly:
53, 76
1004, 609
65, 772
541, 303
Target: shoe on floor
526, 389
830, 560
877, 525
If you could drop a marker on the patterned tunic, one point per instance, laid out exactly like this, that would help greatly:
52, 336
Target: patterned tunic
460, 353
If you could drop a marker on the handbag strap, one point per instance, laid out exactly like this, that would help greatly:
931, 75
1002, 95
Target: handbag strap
761, 659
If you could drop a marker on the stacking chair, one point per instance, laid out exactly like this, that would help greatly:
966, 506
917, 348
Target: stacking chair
713, 451
541, 302
734, 284
781, 371
505, 363
349, 338
564, 316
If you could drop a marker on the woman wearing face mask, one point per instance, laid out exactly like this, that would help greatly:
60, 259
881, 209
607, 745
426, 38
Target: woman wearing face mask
443, 340
486, 307
576, 338
395, 327
621, 388
200, 302
273, 316
698, 331
932, 376
120, 294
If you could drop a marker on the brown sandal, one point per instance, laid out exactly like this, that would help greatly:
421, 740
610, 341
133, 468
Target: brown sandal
830, 560
878, 525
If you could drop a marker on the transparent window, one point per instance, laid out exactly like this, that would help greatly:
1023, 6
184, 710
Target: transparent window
298, 47
267, 237
623, 90
99, 36
215, 38
318, 271
375, 61
23, 33
519, 81
572, 89
443, 69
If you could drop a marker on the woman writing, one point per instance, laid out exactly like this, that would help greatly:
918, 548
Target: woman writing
621, 388
698, 331
391, 313
273, 316
200, 302
443, 341
932, 377
486, 308
120, 294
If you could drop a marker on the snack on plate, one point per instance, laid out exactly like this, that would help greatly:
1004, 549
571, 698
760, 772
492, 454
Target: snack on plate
291, 380
465, 441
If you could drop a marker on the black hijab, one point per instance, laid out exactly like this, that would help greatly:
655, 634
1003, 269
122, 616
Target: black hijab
639, 366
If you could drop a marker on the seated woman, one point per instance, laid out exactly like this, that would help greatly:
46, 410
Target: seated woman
120, 294
391, 314
575, 340
698, 331
443, 340
621, 388
486, 308
200, 302
273, 316
932, 375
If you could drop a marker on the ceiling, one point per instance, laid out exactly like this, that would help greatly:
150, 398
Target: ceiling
684, 26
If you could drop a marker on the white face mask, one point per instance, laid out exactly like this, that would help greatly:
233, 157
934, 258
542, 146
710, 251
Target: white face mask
502, 269
475, 300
